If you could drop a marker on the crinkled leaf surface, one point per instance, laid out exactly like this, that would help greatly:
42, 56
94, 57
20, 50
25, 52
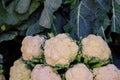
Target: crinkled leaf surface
33, 29
105, 4
116, 16
47, 16
22, 6
14, 18
2, 13
8, 36
87, 18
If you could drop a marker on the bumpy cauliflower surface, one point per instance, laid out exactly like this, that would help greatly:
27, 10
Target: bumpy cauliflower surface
41, 72
95, 46
19, 71
109, 72
79, 72
31, 47
60, 50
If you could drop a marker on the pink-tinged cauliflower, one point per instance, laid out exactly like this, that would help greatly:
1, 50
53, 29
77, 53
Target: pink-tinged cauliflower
109, 72
41, 72
31, 47
79, 72
95, 46
19, 71
60, 49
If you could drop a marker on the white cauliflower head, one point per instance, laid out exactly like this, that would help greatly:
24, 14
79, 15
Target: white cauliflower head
109, 72
60, 50
31, 47
41, 72
95, 46
19, 71
79, 72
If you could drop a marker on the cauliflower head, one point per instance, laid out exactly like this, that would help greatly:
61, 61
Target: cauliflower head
79, 72
41, 72
19, 71
60, 49
109, 72
31, 47
95, 46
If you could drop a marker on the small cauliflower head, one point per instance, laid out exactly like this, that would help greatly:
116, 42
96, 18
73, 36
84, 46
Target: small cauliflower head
109, 72
31, 47
95, 46
60, 49
79, 72
41, 72
19, 71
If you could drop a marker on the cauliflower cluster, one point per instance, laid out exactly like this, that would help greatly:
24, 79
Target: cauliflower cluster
41, 72
60, 49
31, 47
19, 71
62, 59
95, 46
109, 72
79, 72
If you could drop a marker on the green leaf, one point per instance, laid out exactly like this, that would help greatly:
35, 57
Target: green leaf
103, 27
87, 18
34, 29
14, 18
22, 6
100, 64
58, 23
105, 4
59, 66
31, 26
2, 13
35, 5
8, 36
94, 60
117, 1
47, 16
72, 2
116, 16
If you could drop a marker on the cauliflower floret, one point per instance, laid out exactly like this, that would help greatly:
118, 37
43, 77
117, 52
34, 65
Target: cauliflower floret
109, 72
19, 71
60, 50
31, 47
95, 46
41, 72
79, 72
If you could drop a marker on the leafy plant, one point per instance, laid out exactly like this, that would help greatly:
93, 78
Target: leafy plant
77, 17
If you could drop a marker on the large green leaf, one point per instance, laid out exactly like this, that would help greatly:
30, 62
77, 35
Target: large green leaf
14, 18
105, 4
47, 16
22, 6
34, 29
116, 16
2, 13
87, 18
31, 26
103, 27
8, 36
